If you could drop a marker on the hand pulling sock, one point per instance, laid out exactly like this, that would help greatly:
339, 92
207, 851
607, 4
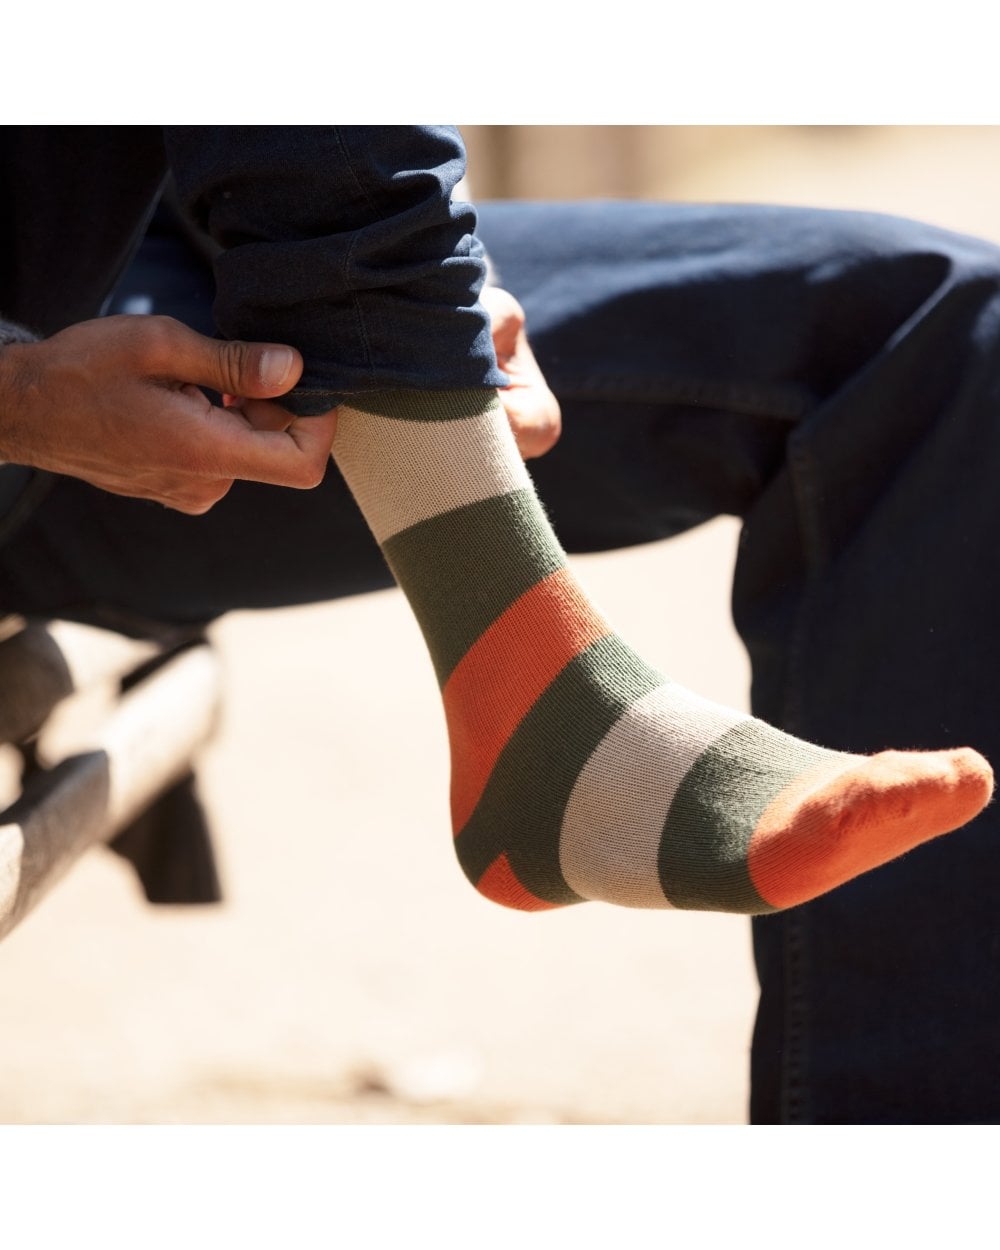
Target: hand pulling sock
579, 772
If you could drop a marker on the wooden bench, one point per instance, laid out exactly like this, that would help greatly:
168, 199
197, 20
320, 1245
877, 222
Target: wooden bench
103, 726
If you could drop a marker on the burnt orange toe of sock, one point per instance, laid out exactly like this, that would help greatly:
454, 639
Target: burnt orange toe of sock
851, 815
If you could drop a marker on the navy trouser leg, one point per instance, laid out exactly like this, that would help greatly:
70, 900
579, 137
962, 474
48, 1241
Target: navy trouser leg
881, 1001
833, 380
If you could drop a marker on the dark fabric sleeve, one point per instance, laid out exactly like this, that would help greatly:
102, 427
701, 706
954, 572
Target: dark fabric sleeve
12, 333
344, 242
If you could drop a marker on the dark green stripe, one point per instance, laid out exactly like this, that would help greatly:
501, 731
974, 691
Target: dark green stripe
703, 851
462, 569
407, 405
521, 810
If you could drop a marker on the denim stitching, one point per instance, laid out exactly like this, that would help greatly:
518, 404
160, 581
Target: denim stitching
355, 301
793, 1086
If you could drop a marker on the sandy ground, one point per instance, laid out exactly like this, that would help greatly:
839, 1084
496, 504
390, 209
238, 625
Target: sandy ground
352, 975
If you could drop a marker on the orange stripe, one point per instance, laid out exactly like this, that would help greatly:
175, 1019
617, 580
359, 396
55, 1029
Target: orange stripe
848, 816
499, 884
500, 677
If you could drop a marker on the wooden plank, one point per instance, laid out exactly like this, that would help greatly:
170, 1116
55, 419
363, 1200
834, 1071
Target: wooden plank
140, 750
47, 661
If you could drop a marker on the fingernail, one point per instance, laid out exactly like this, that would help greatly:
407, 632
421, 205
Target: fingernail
275, 366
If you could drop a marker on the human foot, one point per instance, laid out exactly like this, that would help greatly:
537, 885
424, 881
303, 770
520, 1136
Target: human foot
577, 770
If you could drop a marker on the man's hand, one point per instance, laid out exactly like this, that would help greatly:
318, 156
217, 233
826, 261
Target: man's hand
116, 402
532, 409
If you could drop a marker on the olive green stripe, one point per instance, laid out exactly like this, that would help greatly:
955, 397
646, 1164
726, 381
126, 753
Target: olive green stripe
521, 810
464, 568
412, 405
703, 853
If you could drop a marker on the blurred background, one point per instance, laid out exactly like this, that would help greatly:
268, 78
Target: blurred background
942, 174
352, 976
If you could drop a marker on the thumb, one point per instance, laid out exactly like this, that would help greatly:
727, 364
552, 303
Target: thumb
254, 370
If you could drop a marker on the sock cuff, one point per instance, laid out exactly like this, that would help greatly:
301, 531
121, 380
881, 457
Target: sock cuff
408, 464
414, 405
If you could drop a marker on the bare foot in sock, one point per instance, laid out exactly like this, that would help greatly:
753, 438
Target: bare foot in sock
578, 771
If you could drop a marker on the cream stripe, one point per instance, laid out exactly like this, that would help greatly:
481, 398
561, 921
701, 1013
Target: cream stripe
614, 819
402, 472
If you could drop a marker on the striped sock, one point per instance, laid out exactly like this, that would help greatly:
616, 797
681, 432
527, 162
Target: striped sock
578, 772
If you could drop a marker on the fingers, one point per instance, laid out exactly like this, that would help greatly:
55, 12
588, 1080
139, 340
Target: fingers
535, 418
264, 442
261, 414
531, 408
136, 381
506, 319
257, 370
270, 445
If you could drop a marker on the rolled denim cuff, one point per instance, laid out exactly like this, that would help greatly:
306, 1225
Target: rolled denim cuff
346, 243
304, 403
491, 277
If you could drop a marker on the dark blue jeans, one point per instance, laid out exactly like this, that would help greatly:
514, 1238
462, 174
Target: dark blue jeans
344, 241
832, 379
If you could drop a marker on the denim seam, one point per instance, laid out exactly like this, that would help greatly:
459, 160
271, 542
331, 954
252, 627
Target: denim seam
139, 233
355, 301
794, 1087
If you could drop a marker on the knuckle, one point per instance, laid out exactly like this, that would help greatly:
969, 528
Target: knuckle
310, 472
157, 339
234, 363
192, 507
199, 499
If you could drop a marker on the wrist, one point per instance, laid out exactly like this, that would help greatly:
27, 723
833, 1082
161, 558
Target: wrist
15, 344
